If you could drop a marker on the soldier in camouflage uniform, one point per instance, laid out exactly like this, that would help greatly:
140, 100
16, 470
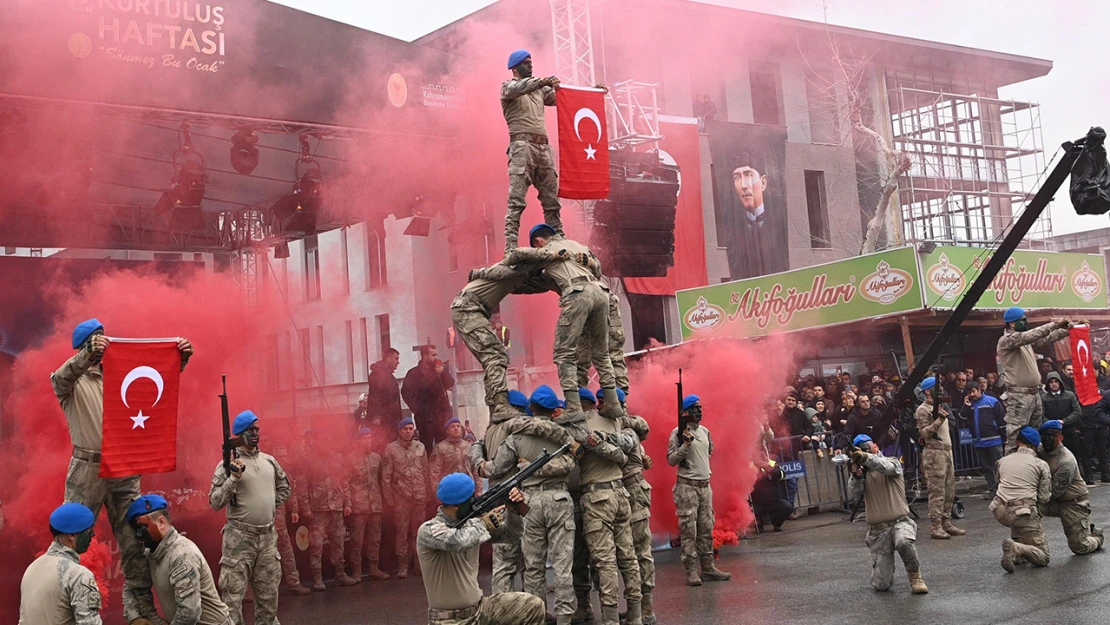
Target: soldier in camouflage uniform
449, 553
250, 556
690, 451
549, 525
179, 572
1024, 484
451, 455
366, 507
1070, 499
289, 571
616, 339
405, 487
325, 502
936, 458
1018, 369
56, 589
584, 311
530, 158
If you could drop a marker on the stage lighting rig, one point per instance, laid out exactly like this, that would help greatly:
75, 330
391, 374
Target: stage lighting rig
244, 153
296, 212
189, 179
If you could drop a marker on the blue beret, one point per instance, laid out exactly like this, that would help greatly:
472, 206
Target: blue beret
621, 395
84, 330
562, 403
450, 421
364, 431
455, 489
690, 400
72, 518
1030, 436
528, 410
242, 422
1013, 314
545, 397
1054, 424
928, 383
406, 421
145, 505
861, 438
586, 394
535, 229
518, 399
517, 57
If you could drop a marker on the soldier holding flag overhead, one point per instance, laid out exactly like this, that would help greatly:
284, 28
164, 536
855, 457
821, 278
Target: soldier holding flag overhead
79, 387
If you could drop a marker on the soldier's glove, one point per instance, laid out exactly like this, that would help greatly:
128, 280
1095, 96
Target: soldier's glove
237, 468
859, 457
470, 276
576, 449
687, 436
494, 519
563, 254
647, 461
582, 258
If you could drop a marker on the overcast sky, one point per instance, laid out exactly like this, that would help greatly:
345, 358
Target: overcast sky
1073, 96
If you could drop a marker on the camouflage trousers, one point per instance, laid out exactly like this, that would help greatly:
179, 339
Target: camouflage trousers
1021, 410
407, 517
505, 608
1075, 516
549, 529
531, 164
616, 349
1026, 529
694, 507
471, 320
639, 497
583, 316
84, 485
289, 571
366, 541
885, 539
941, 474
581, 570
327, 523
508, 557
605, 515
250, 558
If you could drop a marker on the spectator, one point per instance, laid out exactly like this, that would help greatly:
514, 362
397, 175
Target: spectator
845, 380
995, 387
425, 391
1095, 435
361, 418
862, 419
807, 396
970, 373
818, 391
958, 389
1061, 404
878, 403
984, 386
840, 421
986, 417
767, 500
816, 432
383, 401
1046, 366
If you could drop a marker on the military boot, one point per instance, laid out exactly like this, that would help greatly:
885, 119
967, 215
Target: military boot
950, 529
403, 571
635, 614
692, 578
376, 573
612, 409
917, 583
647, 610
610, 615
938, 530
1008, 555
710, 572
501, 408
298, 589
585, 611
573, 401
318, 583
341, 579
356, 572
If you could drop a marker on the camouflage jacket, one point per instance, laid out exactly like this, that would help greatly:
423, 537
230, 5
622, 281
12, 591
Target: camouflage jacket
451, 457
326, 477
366, 485
57, 590
637, 458
405, 472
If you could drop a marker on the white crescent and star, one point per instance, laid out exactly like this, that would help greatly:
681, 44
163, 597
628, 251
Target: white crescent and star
137, 373
586, 113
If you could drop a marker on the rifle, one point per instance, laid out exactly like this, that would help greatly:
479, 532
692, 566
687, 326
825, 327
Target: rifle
230, 443
681, 413
499, 494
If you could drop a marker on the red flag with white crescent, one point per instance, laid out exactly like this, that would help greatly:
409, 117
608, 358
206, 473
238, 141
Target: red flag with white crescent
1082, 360
583, 144
140, 407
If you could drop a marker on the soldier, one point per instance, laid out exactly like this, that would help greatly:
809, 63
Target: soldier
79, 387
180, 573
405, 487
936, 457
584, 310
289, 571
1024, 484
690, 451
1070, 500
616, 340
890, 527
549, 525
507, 556
530, 157
639, 491
250, 556
605, 507
56, 589
325, 503
366, 507
1018, 363
449, 553
451, 455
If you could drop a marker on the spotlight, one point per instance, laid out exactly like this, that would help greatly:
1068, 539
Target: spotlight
296, 212
189, 177
244, 154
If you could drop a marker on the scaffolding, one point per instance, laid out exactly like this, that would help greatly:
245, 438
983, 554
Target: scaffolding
975, 159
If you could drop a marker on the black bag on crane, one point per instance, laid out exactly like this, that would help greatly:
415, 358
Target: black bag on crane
1090, 176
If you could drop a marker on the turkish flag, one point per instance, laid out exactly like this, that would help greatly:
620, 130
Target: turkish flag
1086, 381
583, 144
140, 407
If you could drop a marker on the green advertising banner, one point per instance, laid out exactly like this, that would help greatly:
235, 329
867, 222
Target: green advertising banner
857, 288
1029, 279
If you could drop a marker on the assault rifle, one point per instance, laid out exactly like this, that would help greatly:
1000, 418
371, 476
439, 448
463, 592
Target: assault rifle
230, 442
499, 495
681, 413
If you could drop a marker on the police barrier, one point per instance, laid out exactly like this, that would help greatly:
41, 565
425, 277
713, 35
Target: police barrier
812, 480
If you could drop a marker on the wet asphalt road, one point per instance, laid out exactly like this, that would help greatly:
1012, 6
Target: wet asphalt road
817, 572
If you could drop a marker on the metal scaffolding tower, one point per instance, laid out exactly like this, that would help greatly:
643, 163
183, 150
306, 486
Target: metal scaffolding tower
574, 47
